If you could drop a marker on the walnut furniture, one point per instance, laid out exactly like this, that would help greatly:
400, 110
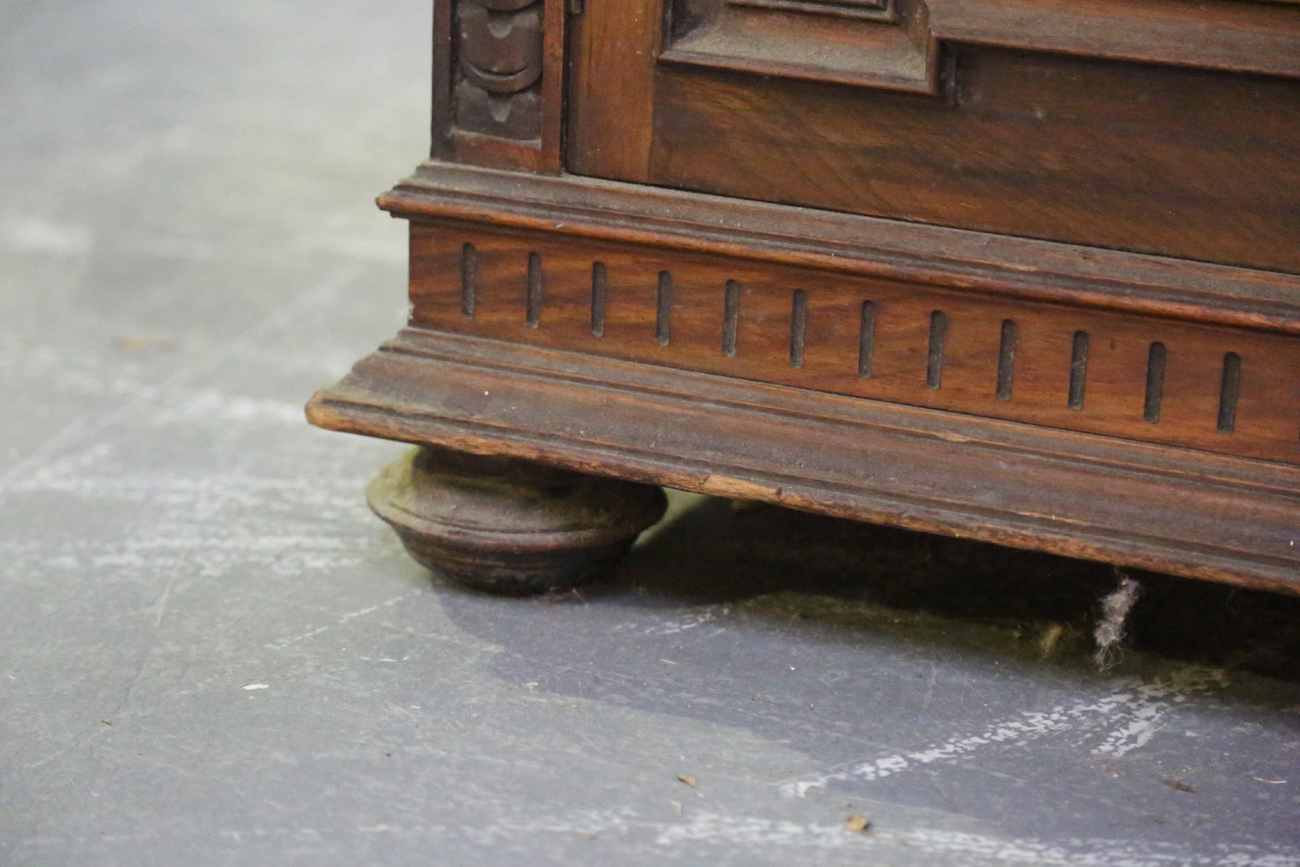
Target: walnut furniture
1025, 271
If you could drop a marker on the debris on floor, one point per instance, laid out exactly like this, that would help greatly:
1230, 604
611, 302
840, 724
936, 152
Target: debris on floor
1047, 643
1115, 607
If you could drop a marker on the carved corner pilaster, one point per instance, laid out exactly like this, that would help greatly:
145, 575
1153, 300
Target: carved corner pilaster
499, 68
496, 89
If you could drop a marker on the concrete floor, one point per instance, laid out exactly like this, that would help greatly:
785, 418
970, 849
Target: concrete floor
211, 653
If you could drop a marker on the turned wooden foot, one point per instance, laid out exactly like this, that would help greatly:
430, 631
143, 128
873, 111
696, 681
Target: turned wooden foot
509, 525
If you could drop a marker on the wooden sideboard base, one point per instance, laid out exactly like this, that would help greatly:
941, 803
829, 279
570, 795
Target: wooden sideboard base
1026, 273
1136, 504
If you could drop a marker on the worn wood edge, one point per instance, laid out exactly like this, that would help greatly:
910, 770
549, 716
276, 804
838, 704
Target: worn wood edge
891, 50
551, 160
1117, 455
1241, 63
783, 234
357, 405
440, 144
334, 412
612, 42
1160, 33
925, 84
490, 152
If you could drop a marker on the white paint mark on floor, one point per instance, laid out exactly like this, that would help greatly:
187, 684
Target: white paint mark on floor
939, 847
1132, 717
204, 526
162, 601
933, 846
1143, 721
752, 831
282, 643
183, 375
976, 849
678, 624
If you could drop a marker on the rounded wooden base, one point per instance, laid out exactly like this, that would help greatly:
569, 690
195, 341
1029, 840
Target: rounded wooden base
508, 525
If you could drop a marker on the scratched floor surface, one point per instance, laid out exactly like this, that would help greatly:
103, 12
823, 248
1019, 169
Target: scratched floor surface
211, 654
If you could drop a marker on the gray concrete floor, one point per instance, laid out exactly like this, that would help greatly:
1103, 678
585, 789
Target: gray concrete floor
211, 653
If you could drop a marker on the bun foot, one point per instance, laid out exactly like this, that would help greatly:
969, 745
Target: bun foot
508, 525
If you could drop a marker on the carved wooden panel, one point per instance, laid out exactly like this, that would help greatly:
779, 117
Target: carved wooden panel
499, 54
873, 43
1165, 127
1225, 390
497, 82
802, 38
1154, 159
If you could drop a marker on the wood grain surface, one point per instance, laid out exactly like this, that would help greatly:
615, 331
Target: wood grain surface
1163, 126
976, 262
1223, 390
1153, 159
611, 88
818, 42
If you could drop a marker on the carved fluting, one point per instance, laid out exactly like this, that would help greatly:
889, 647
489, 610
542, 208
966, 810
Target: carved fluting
1143, 379
499, 67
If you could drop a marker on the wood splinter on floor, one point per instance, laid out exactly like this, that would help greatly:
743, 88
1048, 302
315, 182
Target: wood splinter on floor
858, 824
690, 781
